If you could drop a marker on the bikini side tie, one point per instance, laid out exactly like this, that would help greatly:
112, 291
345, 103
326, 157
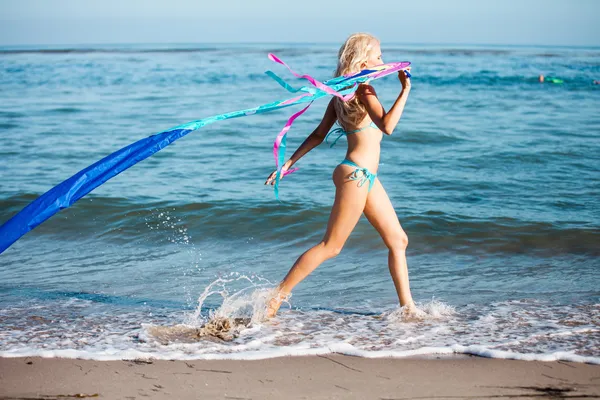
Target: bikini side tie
341, 132
362, 179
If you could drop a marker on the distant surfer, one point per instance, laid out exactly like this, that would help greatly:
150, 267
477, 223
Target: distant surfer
549, 79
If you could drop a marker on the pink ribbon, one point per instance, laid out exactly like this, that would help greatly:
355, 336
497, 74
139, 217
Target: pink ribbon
280, 142
279, 148
319, 85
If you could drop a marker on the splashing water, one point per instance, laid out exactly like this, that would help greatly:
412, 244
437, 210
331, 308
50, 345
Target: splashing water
240, 309
163, 222
434, 310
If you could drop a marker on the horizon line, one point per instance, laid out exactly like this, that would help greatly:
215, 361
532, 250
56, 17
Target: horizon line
79, 46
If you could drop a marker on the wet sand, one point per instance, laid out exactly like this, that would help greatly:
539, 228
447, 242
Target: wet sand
310, 377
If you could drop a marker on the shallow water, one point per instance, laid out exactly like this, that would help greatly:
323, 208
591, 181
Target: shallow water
494, 177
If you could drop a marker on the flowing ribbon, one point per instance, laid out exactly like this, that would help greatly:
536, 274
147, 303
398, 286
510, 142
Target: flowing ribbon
279, 146
279, 149
83, 182
313, 81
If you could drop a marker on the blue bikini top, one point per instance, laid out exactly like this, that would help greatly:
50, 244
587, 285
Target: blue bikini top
342, 132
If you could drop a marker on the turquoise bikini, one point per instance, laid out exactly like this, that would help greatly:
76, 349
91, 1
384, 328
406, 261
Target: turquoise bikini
342, 132
360, 174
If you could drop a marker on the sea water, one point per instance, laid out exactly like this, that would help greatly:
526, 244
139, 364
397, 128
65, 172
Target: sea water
494, 176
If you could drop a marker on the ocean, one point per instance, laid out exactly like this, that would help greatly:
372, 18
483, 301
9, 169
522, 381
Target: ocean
495, 178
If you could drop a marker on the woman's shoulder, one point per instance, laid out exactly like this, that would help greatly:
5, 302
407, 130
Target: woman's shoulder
364, 89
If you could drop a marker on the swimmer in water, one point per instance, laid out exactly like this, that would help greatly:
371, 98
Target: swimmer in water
549, 79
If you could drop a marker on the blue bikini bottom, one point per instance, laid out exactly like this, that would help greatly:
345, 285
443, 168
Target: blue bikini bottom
362, 175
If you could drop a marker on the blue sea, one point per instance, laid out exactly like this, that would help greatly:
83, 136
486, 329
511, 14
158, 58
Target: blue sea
495, 178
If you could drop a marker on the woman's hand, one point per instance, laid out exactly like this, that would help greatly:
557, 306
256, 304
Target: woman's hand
404, 80
271, 178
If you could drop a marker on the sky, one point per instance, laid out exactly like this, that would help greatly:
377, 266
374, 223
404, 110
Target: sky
496, 22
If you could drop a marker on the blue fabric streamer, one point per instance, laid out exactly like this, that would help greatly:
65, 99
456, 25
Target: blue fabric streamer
69, 191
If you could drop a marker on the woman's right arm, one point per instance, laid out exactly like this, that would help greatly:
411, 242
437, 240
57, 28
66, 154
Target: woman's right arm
312, 141
386, 121
316, 137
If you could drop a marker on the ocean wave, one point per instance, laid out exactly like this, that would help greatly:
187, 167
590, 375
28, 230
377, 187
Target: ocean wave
126, 219
94, 77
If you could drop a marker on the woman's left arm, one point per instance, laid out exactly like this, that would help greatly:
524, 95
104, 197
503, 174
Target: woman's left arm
312, 141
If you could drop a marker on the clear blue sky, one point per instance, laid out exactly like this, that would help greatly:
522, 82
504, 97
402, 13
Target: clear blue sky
541, 22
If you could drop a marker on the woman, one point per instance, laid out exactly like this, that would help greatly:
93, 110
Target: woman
364, 121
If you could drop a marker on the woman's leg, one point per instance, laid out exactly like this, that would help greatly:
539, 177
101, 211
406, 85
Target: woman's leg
347, 208
381, 214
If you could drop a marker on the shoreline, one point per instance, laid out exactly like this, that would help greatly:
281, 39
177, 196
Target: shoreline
329, 376
426, 353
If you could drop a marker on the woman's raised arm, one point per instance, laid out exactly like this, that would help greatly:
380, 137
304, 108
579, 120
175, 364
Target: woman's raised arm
386, 121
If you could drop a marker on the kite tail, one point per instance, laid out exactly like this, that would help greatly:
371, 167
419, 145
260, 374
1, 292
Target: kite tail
69, 191
279, 149
86, 180
83, 182
279, 146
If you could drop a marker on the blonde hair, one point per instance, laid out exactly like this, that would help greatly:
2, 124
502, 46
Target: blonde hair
351, 55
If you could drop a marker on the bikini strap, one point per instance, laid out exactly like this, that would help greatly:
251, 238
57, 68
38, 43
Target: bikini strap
341, 132
358, 130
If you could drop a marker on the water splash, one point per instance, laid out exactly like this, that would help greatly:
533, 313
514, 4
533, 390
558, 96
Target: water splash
164, 223
434, 310
240, 309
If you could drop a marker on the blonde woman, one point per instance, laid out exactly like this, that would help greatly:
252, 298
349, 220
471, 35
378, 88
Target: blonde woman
364, 121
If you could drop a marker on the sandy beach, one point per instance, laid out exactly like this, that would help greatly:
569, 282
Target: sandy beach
311, 377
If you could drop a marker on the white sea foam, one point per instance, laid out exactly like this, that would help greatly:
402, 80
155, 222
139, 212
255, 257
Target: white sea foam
433, 310
522, 330
339, 348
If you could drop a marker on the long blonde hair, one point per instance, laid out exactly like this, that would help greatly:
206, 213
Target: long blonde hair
351, 55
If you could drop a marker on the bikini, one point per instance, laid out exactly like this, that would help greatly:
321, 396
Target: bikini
360, 174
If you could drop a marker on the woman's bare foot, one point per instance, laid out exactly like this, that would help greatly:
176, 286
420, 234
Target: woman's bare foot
275, 302
410, 312
409, 308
